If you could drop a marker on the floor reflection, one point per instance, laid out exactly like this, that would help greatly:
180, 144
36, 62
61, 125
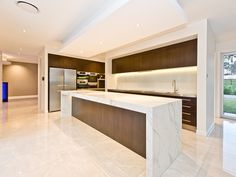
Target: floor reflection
229, 147
4, 112
41, 145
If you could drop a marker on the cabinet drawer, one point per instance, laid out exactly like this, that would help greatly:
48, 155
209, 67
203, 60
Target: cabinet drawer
189, 118
189, 109
189, 102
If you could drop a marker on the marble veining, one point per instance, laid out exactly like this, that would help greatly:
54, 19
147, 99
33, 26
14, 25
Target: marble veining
163, 123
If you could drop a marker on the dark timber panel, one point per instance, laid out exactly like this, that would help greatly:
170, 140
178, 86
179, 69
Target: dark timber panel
124, 126
59, 61
173, 56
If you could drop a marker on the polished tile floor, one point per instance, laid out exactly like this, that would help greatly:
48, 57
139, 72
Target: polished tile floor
33, 144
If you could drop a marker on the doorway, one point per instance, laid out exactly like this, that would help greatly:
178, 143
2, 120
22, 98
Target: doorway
229, 85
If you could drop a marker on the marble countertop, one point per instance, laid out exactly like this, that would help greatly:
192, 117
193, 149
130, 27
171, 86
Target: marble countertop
93, 89
155, 93
139, 103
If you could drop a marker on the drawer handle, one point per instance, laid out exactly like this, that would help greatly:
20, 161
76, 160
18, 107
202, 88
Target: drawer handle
189, 100
185, 113
187, 106
184, 120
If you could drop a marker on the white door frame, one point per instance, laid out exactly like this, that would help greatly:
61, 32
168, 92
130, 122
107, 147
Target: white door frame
222, 86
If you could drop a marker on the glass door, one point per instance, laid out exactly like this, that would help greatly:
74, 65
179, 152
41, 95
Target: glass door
229, 85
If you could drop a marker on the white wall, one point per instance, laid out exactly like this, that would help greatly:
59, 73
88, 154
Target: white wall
211, 57
22, 78
159, 80
43, 90
197, 29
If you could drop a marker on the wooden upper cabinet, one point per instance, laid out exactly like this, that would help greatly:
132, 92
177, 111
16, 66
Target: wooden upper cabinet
58, 61
100, 67
178, 55
127, 64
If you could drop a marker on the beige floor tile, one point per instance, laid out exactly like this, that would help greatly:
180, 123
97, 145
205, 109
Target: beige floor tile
34, 144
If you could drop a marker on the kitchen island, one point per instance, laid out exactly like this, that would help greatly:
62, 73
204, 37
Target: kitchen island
150, 126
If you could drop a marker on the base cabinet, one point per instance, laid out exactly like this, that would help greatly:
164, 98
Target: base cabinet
189, 106
124, 126
189, 111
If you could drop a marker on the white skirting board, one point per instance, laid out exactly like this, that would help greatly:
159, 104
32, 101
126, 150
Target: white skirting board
22, 97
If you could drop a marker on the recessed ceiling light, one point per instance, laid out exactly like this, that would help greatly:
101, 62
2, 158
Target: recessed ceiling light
100, 42
24, 31
137, 25
26, 6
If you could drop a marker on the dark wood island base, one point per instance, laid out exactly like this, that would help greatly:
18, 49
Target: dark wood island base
124, 126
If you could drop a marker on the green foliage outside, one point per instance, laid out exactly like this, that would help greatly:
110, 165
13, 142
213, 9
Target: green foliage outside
230, 86
230, 106
230, 64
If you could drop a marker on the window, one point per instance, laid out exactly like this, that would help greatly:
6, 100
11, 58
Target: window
229, 85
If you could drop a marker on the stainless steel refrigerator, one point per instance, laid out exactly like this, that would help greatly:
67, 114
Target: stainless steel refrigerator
60, 79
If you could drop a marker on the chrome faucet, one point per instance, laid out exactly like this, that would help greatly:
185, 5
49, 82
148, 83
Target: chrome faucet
174, 86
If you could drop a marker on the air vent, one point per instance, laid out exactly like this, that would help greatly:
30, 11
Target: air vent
28, 7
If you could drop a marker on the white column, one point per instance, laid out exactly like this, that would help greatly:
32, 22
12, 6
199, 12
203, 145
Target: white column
43, 79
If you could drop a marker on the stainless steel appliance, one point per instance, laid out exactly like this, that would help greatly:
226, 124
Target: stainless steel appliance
87, 80
60, 79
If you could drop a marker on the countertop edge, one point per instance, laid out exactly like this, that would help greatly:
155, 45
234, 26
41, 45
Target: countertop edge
149, 93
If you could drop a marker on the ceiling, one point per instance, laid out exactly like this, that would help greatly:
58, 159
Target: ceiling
127, 23
85, 28
24, 33
221, 15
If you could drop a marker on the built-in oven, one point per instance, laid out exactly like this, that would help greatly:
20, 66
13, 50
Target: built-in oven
82, 79
90, 80
82, 83
93, 77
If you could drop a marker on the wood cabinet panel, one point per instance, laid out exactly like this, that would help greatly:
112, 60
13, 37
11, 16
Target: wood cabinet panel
173, 56
75, 63
124, 126
127, 64
189, 111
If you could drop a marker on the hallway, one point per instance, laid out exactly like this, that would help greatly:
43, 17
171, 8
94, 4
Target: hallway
34, 144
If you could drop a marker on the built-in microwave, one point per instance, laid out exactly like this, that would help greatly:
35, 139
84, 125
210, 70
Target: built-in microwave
82, 81
93, 77
90, 80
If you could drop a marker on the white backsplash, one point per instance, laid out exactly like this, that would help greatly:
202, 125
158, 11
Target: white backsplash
160, 80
